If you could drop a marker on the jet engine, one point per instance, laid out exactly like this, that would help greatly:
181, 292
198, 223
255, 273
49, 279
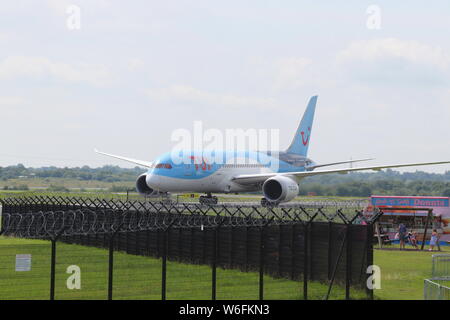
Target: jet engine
280, 189
142, 187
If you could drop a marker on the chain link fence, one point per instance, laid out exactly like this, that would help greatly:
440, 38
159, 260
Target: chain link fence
141, 250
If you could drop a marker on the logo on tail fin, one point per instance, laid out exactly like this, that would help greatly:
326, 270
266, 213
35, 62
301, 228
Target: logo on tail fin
305, 142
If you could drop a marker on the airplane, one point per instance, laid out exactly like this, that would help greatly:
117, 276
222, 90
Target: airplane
276, 174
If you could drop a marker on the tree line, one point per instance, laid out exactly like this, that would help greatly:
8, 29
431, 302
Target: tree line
85, 173
387, 182
356, 184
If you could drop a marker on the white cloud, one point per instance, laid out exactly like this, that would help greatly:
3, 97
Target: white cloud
187, 94
282, 73
390, 60
135, 64
291, 72
38, 67
59, 7
11, 101
4, 36
413, 51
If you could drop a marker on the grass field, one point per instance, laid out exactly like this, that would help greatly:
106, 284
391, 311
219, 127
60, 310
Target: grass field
135, 277
403, 272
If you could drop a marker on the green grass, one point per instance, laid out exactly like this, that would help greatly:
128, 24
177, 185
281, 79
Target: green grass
403, 272
135, 277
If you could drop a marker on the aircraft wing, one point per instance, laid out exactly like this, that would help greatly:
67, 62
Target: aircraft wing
246, 179
138, 162
336, 163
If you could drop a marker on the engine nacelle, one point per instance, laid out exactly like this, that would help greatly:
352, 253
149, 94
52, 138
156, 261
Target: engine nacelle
280, 189
142, 186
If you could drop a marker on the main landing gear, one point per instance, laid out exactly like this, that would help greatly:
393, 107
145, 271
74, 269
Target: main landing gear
208, 199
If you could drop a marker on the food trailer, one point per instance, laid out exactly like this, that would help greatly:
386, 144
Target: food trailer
414, 219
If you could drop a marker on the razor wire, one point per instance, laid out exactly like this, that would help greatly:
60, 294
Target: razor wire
44, 217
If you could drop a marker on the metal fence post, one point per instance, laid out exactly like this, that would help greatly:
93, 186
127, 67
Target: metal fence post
214, 267
348, 265
53, 263
111, 262
164, 260
164, 267
214, 261
305, 262
261, 258
293, 274
52, 270
110, 266
330, 244
307, 249
369, 253
261, 264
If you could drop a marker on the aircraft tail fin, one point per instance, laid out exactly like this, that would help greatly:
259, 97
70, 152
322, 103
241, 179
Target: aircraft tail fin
300, 143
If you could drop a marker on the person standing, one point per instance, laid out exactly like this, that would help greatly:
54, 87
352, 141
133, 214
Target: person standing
402, 235
433, 240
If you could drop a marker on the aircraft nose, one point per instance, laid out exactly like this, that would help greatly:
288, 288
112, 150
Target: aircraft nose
153, 181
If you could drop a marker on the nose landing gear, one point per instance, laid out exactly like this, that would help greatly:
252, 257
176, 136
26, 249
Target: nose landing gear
208, 199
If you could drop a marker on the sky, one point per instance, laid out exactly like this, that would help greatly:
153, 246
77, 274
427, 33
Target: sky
123, 76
